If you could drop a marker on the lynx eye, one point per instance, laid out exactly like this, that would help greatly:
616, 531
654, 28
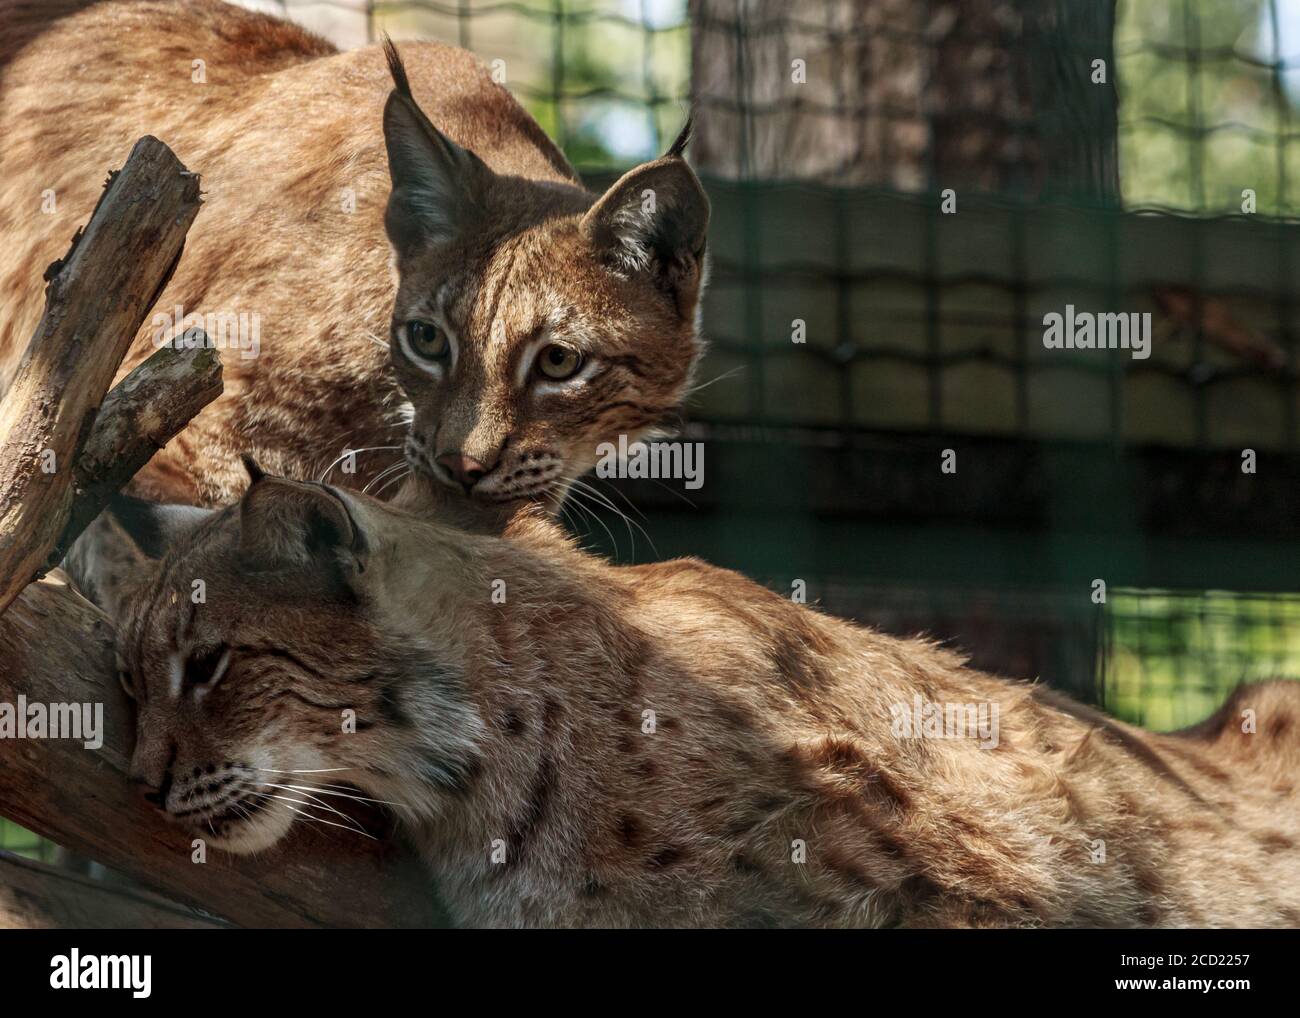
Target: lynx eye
426, 341
558, 362
207, 667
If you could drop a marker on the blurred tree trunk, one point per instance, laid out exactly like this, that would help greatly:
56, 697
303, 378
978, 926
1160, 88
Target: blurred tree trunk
988, 95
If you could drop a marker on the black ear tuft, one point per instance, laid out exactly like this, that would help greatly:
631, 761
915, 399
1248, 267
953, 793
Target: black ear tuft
654, 220
396, 68
678, 149
255, 471
439, 187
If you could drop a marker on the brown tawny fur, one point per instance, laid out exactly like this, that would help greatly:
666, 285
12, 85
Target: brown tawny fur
671, 745
492, 236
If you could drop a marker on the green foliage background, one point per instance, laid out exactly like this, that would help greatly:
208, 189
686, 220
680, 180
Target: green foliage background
1204, 110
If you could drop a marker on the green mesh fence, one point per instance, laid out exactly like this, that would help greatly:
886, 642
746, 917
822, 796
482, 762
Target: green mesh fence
1173, 657
1208, 95
827, 211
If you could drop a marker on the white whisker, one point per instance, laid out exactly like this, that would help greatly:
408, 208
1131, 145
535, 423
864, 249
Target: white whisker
581, 491
325, 790
352, 452
587, 511
382, 474
591, 492
704, 385
395, 480
303, 790
591, 479
669, 488
316, 819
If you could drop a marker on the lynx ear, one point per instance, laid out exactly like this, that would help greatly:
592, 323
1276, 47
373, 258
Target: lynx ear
438, 186
115, 551
288, 523
654, 220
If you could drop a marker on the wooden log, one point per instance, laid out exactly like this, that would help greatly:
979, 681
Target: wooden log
141, 414
56, 647
35, 896
97, 298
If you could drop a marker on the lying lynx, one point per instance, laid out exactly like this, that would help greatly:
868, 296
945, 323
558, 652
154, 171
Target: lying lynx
575, 744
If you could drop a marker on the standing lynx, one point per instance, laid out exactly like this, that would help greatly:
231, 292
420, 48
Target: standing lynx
529, 321
669, 744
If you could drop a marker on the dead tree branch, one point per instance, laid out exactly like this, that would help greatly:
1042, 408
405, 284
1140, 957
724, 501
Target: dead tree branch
34, 896
66, 448
98, 296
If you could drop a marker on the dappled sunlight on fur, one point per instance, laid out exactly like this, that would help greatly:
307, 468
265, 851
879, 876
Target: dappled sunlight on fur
672, 744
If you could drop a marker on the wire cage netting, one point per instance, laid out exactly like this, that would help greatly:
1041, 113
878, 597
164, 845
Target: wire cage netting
1170, 658
901, 191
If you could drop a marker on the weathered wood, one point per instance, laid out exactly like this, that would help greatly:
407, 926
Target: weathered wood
55, 647
34, 896
141, 414
97, 298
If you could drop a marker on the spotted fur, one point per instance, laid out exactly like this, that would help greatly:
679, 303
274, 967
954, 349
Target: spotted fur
491, 234
673, 745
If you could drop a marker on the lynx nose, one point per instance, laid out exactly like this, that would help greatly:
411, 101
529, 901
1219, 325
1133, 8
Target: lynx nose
152, 788
151, 769
465, 469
